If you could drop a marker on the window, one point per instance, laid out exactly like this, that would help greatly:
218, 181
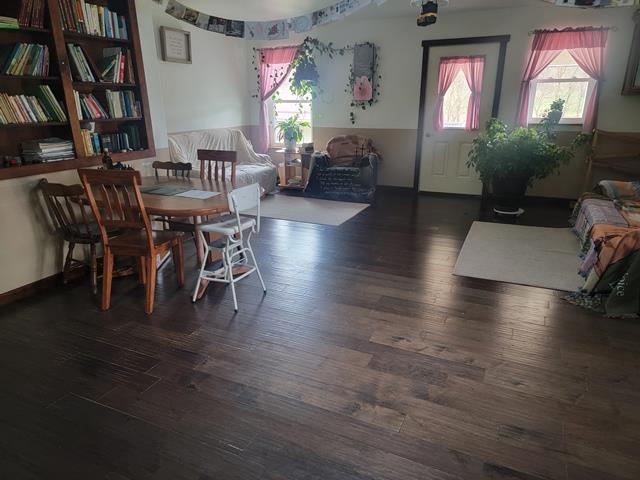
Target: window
284, 105
456, 103
459, 93
562, 79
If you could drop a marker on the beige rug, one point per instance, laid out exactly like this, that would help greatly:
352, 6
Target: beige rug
535, 256
309, 210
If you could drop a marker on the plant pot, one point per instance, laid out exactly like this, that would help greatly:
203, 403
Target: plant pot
290, 145
509, 193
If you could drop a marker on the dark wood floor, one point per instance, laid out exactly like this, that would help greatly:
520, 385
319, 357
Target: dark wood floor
367, 360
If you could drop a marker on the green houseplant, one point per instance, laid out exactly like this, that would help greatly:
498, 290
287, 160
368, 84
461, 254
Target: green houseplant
291, 131
511, 159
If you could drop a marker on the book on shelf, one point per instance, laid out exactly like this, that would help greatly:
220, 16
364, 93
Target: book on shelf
31, 13
88, 107
39, 105
116, 66
122, 104
125, 140
47, 150
80, 16
9, 23
25, 59
82, 67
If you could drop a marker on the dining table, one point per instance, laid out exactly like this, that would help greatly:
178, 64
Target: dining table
180, 208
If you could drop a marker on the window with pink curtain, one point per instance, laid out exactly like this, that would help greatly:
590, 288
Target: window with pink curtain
275, 65
472, 68
585, 45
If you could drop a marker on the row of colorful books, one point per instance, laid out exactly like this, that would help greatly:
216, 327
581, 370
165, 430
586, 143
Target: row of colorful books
123, 104
38, 106
125, 140
88, 107
31, 13
25, 59
81, 66
119, 105
8, 23
82, 17
116, 66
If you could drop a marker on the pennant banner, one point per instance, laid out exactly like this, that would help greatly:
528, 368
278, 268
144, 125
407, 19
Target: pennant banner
270, 30
594, 3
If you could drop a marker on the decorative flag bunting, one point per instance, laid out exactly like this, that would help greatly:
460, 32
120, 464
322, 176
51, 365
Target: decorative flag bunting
270, 30
594, 3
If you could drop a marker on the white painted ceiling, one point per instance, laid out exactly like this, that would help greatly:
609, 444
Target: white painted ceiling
273, 9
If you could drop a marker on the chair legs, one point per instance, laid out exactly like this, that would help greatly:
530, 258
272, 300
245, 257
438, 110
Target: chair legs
255, 264
150, 286
229, 271
177, 252
107, 279
142, 270
94, 268
226, 275
202, 267
67, 262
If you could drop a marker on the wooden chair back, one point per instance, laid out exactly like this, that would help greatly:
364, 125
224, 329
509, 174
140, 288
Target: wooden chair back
116, 201
66, 209
210, 160
183, 169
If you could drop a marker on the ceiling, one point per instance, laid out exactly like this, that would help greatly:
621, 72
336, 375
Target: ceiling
254, 10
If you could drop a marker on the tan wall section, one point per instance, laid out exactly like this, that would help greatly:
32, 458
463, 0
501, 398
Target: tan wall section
30, 251
397, 147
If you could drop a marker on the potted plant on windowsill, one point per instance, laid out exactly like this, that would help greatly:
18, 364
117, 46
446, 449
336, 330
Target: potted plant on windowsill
291, 131
511, 159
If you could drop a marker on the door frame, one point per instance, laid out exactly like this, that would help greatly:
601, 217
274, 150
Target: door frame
503, 40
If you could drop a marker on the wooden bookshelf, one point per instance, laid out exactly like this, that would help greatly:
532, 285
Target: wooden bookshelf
62, 83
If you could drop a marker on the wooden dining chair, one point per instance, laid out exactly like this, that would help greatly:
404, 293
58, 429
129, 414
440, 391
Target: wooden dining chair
213, 160
116, 202
178, 169
73, 223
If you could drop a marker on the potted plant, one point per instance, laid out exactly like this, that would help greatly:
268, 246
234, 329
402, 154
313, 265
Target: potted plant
291, 131
511, 159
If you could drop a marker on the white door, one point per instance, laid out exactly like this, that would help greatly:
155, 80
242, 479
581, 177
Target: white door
444, 153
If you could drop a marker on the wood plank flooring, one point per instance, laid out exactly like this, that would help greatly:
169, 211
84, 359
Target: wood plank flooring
366, 360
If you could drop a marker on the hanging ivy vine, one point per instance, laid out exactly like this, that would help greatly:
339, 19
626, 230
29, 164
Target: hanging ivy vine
306, 79
376, 81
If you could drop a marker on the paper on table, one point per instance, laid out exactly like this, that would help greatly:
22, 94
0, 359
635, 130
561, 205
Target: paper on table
198, 194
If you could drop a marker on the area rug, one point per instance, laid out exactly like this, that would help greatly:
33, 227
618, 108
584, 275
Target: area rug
535, 256
309, 210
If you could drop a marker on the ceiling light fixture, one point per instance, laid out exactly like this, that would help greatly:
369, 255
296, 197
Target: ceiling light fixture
428, 11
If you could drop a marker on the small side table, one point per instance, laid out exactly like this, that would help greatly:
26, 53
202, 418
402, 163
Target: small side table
294, 171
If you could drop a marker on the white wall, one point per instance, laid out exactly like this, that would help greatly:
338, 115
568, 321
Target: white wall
399, 42
209, 93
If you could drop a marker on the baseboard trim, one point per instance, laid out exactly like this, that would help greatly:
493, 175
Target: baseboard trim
30, 289
528, 199
447, 194
393, 188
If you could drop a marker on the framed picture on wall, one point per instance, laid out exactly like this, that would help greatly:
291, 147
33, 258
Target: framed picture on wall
175, 45
632, 77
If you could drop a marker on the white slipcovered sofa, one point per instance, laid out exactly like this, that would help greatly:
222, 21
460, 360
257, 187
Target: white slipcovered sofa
252, 167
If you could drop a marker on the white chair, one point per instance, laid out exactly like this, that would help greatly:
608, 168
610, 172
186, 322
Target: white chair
235, 245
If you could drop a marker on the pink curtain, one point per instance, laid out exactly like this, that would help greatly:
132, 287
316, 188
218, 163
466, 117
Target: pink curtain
591, 60
473, 70
586, 46
449, 68
275, 65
